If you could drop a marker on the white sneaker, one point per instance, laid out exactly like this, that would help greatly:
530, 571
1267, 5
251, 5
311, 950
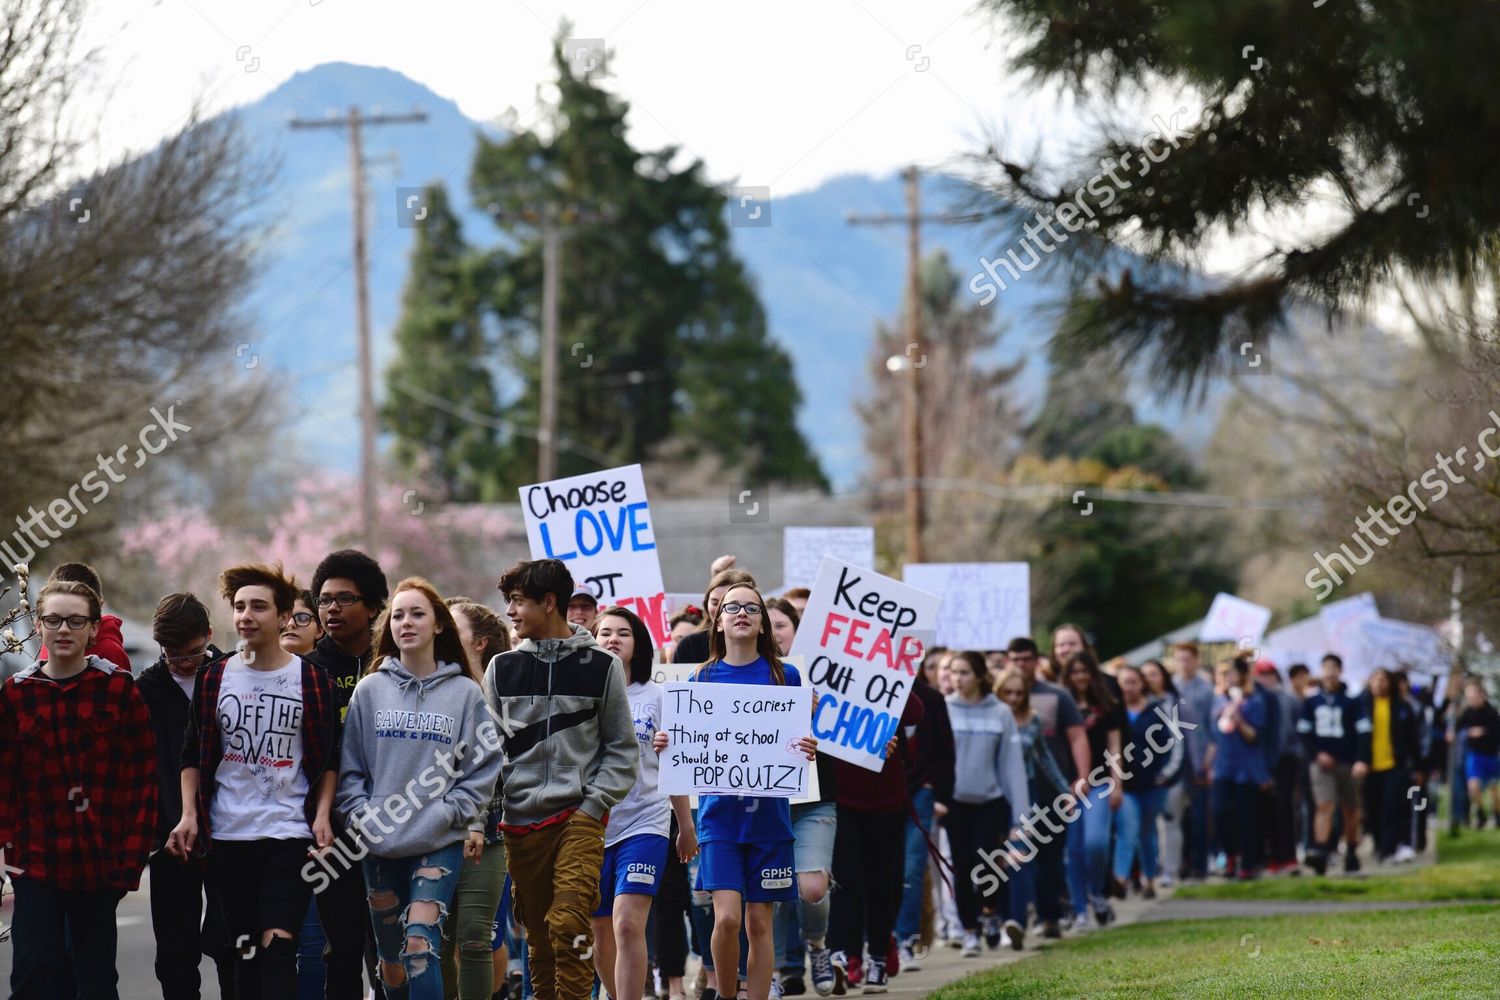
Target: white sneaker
971, 945
909, 960
1165, 882
1404, 855
1082, 924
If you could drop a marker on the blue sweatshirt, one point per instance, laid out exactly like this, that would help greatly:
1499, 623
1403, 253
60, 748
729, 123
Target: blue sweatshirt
1329, 723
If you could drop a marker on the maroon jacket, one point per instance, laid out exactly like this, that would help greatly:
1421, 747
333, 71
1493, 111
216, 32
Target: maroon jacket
882, 792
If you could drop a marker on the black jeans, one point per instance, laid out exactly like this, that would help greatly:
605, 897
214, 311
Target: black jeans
670, 911
52, 925
1386, 815
260, 886
344, 912
867, 849
182, 934
972, 828
1235, 819
1051, 877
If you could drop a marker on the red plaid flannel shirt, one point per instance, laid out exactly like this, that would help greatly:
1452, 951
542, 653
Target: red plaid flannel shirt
77, 778
203, 746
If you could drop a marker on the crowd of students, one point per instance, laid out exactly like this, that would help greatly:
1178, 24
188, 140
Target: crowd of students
388, 783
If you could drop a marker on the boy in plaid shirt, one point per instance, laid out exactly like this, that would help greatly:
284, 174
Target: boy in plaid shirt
77, 804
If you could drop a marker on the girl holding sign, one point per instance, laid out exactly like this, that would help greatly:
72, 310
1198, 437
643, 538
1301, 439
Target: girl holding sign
635, 839
747, 859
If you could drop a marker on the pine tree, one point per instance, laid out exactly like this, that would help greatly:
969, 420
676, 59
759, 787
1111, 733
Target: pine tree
663, 340
1382, 115
440, 377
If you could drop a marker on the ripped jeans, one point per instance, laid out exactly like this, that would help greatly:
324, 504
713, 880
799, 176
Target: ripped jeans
395, 884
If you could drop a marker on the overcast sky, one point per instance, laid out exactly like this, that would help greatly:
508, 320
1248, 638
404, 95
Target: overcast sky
781, 93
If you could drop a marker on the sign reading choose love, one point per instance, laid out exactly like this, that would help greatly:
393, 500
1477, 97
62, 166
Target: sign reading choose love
862, 636
599, 525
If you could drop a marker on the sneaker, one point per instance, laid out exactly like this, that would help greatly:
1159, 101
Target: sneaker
1149, 892
709, 993
989, 925
955, 940
1166, 882
971, 945
1318, 862
1351, 862
909, 960
892, 958
793, 985
840, 964
776, 993
1082, 924
1051, 930
1247, 875
856, 970
1104, 913
823, 978
1016, 933
875, 977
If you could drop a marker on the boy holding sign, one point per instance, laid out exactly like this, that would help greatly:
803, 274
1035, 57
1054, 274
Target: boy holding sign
746, 843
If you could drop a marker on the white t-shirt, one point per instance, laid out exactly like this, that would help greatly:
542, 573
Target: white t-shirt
186, 683
644, 809
261, 784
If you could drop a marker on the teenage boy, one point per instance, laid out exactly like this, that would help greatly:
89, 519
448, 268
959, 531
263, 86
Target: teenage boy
1329, 727
76, 802
180, 627
259, 766
1190, 797
109, 642
570, 754
1062, 728
350, 590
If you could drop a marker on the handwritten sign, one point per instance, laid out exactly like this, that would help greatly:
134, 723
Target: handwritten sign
1231, 619
803, 550
599, 525
1341, 623
734, 739
863, 636
1398, 645
985, 605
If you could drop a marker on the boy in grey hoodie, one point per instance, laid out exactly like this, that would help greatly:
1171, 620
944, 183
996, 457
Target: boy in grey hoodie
570, 755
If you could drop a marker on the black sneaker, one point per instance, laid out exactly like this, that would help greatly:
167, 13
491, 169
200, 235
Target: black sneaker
990, 928
793, 985
709, 993
1016, 933
1318, 862
1050, 930
1351, 862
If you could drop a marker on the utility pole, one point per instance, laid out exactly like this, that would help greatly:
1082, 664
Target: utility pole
915, 356
355, 121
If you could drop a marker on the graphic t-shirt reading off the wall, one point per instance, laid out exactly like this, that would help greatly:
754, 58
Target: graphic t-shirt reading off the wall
262, 786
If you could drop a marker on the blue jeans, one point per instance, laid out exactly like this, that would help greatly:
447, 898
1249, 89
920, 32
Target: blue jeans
1197, 829
909, 916
310, 968
1088, 848
393, 925
1136, 832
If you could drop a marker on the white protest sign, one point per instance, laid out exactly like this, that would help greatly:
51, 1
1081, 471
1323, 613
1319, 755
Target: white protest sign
862, 636
1341, 623
984, 605
599, 525
1398, 645
1231, 619
803, 549
734, 739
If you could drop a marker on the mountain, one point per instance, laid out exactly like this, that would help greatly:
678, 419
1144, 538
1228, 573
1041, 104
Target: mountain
825, 283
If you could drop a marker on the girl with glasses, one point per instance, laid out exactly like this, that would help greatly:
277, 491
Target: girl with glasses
303, 629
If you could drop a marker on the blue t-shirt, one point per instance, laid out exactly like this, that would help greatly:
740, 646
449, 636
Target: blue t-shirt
1238, 761
738, 818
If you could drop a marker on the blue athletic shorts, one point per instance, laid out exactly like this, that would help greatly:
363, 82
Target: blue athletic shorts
761, 873
633, 865
1482, 767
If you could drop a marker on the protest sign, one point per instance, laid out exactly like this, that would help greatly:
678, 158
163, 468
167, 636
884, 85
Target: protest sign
1232, 619
1399, 645
734, 739
599, 525
984, 605
803, 549
1341, 623
863, 636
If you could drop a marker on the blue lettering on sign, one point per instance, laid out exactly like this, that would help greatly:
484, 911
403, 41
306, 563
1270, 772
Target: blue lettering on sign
854, 725
591, 532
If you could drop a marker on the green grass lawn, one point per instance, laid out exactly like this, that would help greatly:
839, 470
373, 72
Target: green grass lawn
1444, 952
1468, 868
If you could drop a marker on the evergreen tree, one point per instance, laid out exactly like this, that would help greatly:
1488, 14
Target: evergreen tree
440, 379
663, 343
1380, 115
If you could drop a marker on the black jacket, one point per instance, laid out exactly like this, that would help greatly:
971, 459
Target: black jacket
344, 670
1404, 735
692, 649
170, 713
930, 758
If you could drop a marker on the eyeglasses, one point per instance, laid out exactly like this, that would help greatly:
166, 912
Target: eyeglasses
184, 658
74, 622
343, 600
302, 619
735, 607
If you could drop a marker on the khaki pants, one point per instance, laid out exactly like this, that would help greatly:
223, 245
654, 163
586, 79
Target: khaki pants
554, 873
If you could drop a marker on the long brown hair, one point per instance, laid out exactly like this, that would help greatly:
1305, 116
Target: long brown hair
975, 662
1099, 696
446, 645
486, 625
765, 641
